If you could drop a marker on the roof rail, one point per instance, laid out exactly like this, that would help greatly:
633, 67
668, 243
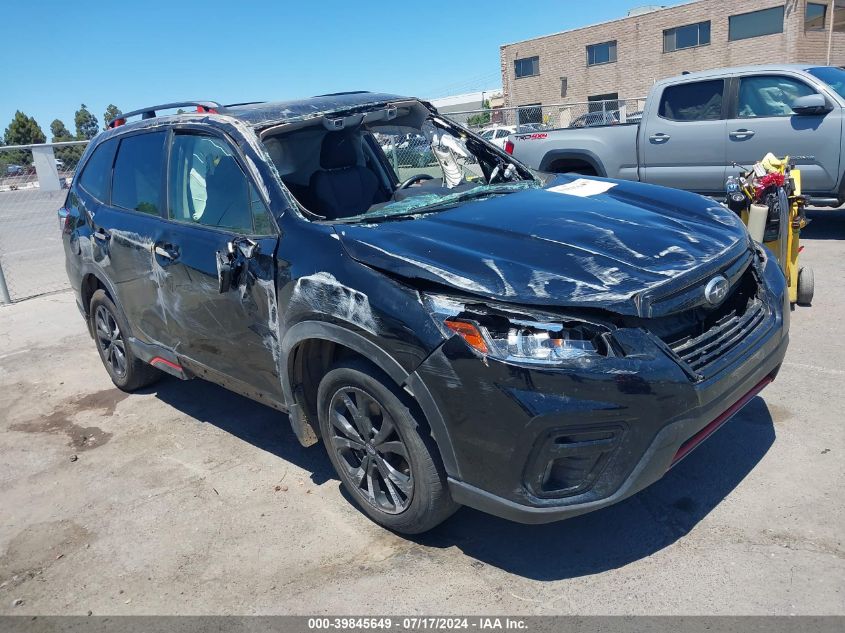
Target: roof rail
150, 112
341, 94
244, 103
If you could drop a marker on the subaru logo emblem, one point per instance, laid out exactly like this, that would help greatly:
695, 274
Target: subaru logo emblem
716, 290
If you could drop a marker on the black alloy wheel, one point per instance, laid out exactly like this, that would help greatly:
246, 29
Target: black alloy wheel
110, 340
368, 445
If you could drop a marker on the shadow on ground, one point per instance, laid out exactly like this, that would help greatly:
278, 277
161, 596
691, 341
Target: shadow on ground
596, 542
633, 529
250, 421
825, 225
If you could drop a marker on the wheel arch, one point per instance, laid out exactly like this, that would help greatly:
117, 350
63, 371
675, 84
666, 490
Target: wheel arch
93, 280
310, 347
575, 157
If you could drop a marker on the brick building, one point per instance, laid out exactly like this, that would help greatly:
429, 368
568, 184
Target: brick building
625, 57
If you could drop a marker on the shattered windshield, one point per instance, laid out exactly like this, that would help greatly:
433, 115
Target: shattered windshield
430, 202
395, 160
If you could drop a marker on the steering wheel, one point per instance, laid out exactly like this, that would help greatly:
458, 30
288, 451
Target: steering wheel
415, 178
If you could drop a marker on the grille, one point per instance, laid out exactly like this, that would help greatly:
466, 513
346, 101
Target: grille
701, 351
702, 336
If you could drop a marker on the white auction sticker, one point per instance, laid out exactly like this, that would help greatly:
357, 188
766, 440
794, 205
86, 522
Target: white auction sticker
583, 187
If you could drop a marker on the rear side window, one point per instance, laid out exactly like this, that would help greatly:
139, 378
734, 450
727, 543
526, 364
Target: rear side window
208, 187
697, 101
97, 173
137, 182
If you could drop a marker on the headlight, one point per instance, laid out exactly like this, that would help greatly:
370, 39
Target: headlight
516, 339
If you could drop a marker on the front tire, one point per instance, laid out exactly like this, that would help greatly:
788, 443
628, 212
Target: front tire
110, 332
381, 449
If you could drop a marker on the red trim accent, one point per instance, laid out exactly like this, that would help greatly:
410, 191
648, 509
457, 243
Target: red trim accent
159, 359
203, 110
118, 122
688, 446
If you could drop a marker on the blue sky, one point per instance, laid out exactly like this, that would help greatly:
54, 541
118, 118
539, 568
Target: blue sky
59, 54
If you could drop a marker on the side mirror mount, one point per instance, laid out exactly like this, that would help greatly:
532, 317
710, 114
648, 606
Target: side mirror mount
811, 105
224, 272
233, 262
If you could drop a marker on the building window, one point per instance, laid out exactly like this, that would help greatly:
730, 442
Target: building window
603, 53
526, 67
755, 24
606, 102
695, 101
839, 16
814, 16
530, 113
688, 36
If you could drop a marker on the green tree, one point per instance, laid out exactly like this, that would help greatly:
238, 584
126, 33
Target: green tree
23, 130
60, 131
68, 155
86, 123
482, 118
111, 113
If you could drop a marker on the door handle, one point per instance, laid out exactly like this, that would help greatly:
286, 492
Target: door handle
102, 235
167, 251
741, 134
660, 137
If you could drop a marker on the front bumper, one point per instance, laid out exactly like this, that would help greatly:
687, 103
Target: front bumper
624, 422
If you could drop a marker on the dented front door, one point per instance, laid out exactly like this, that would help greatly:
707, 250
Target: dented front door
215, 215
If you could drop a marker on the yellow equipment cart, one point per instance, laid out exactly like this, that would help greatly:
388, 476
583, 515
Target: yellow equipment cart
770, 204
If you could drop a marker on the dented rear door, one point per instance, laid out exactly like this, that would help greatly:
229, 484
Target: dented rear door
123, 231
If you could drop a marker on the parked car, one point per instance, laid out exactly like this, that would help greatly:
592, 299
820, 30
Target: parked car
497, 134
593, 119
533, 348
15, 170
60, 164
696, 126
531, 127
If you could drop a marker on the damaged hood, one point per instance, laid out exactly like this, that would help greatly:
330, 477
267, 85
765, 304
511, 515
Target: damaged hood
542, 247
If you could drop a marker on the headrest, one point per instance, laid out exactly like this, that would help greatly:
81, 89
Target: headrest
227, 177
338, 151
281, 155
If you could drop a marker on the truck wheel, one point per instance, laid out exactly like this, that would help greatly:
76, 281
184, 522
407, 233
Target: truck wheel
381, 449
806, 286
109, 327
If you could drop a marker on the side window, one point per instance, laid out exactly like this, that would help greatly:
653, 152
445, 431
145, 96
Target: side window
137, 182
97, 173
208, 187
770, 95
697, 101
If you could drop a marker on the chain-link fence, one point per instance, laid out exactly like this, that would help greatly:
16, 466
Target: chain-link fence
33, 186
493, 123
412, 155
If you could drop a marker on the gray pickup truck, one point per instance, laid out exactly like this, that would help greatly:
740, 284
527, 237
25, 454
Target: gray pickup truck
695, 126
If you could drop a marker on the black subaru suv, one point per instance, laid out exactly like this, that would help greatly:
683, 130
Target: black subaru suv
462, 332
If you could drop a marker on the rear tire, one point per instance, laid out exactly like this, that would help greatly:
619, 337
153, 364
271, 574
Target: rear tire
110, 333
806, 286
381, 449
